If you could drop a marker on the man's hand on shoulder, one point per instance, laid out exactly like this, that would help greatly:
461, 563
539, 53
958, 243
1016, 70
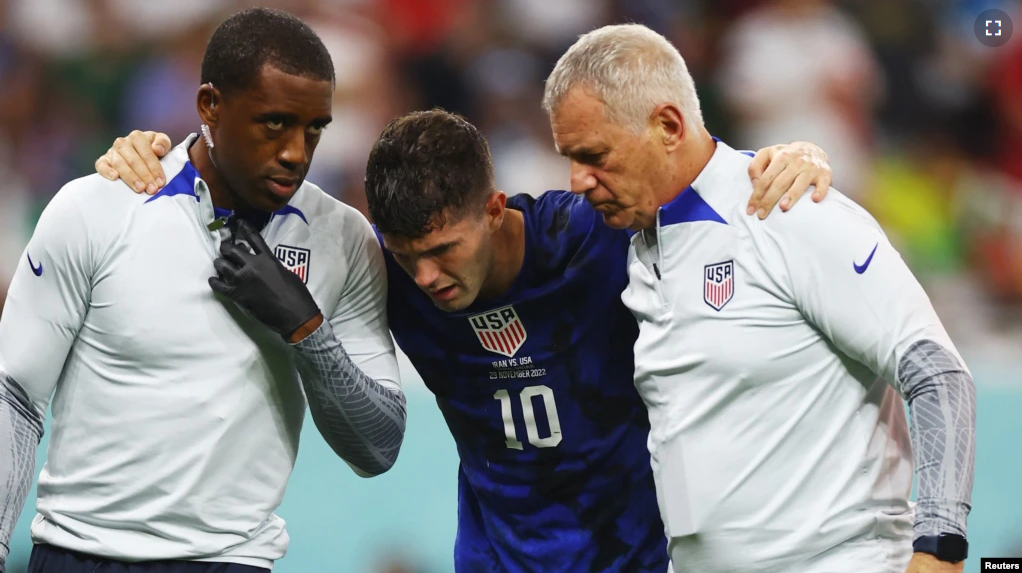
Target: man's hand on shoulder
926, 563
782, 173
136, 160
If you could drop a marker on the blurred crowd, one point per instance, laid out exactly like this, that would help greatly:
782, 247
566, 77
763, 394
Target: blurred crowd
923, 123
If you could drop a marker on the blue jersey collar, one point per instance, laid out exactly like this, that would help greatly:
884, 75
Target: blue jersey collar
689, 206
183, 184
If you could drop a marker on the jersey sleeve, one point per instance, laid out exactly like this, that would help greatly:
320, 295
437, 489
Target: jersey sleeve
850, 282
360, 317
47, 300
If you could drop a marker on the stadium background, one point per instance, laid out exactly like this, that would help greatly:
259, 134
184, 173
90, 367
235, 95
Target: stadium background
922, 122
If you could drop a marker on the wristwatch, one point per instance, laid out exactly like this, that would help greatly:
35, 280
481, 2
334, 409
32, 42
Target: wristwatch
946, 546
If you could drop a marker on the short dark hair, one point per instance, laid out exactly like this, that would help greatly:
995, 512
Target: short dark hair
425, 167
250, 39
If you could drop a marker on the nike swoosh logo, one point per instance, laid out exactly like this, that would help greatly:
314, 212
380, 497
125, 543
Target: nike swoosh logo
862, 268
37, 270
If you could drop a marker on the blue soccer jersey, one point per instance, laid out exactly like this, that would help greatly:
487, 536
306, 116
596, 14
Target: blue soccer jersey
536, 387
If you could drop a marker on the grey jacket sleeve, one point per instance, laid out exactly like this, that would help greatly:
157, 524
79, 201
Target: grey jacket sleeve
942, 404
361, 419
21, 428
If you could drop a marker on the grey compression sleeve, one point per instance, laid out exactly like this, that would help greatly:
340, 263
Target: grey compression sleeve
362, 420
942, 402
21, 428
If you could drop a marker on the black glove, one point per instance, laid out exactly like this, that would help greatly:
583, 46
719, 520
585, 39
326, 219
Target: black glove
260, 284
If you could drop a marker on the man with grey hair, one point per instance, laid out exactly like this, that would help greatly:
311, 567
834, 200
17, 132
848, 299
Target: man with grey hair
793, 454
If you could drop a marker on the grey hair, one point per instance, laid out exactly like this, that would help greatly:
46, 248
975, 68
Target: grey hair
632, 70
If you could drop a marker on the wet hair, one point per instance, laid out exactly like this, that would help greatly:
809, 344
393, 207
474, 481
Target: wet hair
426, 168
250, 39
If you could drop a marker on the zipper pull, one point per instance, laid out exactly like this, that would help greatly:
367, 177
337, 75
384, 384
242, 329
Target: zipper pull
217, 224
656, 270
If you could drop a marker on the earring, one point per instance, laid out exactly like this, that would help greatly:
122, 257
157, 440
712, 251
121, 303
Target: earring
205, 128
206, 135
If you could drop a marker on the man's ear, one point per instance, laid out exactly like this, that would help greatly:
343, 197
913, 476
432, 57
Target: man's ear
669, 124
496, 205
207, 103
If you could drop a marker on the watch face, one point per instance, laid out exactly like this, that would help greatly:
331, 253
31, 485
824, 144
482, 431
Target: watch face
946, 547
953, 548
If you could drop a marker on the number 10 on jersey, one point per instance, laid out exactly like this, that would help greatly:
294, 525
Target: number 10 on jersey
529, 413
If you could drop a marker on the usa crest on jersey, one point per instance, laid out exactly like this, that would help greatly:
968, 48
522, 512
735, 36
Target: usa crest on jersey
499, 330
295, 259
719, 284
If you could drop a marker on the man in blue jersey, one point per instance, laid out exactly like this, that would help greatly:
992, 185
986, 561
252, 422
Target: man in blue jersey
510, 310
180, 353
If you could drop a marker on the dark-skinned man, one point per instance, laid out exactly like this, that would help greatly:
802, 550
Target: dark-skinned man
179, 334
